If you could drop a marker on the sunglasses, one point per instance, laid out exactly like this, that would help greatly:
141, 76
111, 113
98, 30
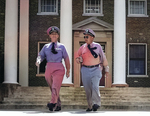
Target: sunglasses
86, 37
54, 33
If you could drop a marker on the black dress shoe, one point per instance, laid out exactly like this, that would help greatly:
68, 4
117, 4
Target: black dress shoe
88, 110
58, 108
51, 106
95, 107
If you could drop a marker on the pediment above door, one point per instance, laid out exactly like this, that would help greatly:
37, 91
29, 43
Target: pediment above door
93, 23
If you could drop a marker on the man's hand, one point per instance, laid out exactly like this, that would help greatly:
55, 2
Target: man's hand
79, 60
67, 73
37, 64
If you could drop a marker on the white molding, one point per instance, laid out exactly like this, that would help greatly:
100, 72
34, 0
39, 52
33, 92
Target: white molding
92, 14
145, 60
77, 26
47, 13
138, 15
137, 76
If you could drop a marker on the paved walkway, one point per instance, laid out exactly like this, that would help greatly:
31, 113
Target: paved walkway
71, 113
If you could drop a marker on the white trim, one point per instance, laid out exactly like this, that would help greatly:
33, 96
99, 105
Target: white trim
47, 13
137, 15
24, 43
102, 7
99, 86
38, 68
145, 60
79, 25
93, 14
137, 76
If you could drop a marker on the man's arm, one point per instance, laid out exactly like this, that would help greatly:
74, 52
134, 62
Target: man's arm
104, 62
67, 63
78, 56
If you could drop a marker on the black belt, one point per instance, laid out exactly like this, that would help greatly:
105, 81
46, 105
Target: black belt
91, 66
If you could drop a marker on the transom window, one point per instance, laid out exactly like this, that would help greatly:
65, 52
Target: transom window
48, 7
92, 7
137, 8
137, 61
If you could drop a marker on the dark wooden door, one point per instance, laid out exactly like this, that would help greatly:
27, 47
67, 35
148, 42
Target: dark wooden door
102, 81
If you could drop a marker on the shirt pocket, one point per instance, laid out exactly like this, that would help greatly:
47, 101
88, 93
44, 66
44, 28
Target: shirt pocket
84, 51
57, 57
47, 52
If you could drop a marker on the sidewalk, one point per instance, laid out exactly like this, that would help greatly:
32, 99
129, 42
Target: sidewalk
71, 113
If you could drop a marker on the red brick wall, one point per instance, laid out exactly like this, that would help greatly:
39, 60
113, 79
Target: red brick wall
137, 31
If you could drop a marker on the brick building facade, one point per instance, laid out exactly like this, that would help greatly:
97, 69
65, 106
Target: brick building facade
137, 33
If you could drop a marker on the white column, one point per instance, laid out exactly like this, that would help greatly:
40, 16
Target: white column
66, 32
24, 42
11, 36
119, 42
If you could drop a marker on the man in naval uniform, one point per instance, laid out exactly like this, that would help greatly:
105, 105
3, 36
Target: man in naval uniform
92, 59
54, 52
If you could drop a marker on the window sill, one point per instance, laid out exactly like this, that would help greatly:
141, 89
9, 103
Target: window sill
92, 14
40, 75
136, 15
137, 76
47, 13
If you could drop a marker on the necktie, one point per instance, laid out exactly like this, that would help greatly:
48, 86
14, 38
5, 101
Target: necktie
53, 49
92, 52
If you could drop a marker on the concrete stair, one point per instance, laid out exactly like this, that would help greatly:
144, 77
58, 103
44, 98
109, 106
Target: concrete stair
128, 98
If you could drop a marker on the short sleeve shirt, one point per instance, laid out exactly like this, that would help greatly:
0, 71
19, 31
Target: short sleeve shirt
50, 57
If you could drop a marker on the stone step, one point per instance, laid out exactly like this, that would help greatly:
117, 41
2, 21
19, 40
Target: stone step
78, 92
44, 103
81, 92
78, 96
32, 89
38, 97
103, 107
75, 100
69, 92
71, 98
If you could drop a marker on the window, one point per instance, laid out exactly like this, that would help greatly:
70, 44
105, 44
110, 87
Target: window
47, 7
137, 60
41, 68
137, 8
92, 8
